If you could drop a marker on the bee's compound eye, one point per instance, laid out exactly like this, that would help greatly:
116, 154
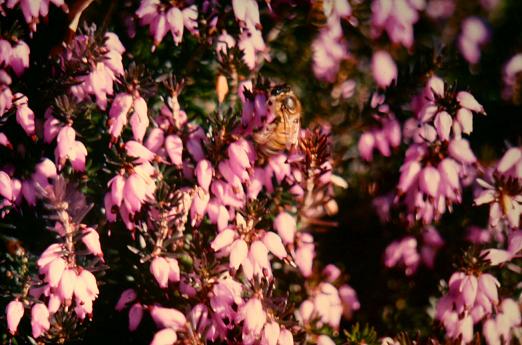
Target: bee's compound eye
296, 121
279, 89
289, 103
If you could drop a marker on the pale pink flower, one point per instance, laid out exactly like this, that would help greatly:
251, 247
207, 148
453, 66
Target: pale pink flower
204, 172
174, 147
286, 227
139, 120
14, 312
384, 69
474, 35
166, 336
324, 340
24, 114
168, 317
304, 255
39, 320
285, 337
274, 244
254, 315
91, 239
329, 49
67, 284
159, 267
270, 334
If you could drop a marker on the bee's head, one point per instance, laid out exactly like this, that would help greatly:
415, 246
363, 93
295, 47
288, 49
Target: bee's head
279, 89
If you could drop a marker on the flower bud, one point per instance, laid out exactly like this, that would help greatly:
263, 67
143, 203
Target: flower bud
221, 88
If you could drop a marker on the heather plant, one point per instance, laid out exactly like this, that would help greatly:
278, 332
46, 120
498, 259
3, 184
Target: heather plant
249, 172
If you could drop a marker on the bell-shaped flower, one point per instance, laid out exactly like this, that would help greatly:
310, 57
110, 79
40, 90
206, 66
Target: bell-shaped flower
159, 267
286, 227
39, 320
126, 297
166, 336
139, 120
384, 69
174, 147
168, 317
135, 316
14, 312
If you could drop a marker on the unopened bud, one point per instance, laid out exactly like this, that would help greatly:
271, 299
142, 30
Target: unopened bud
221, 88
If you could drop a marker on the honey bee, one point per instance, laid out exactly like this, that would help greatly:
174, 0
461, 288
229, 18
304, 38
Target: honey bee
283, 132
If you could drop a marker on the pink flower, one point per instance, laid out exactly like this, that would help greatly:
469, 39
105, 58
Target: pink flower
467, 100
285, 225
14, 312
135, 316
126, 297
39, 319
139, 120
238, 253
254, 315
24, 114
6, 186
91, 239
19, 58
223, 239
474, 35
166, 336
285, 337
159, 267
271, 333
384, 69
324, 340
118, 113
274, 244
304, 255
329, 49
174, 147
68, 148
67, 284
396, 18
204, 173
168, 317
138, 151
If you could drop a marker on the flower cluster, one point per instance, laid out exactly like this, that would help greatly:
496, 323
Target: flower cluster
439, 159
163, 18
62, 282
102, 67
